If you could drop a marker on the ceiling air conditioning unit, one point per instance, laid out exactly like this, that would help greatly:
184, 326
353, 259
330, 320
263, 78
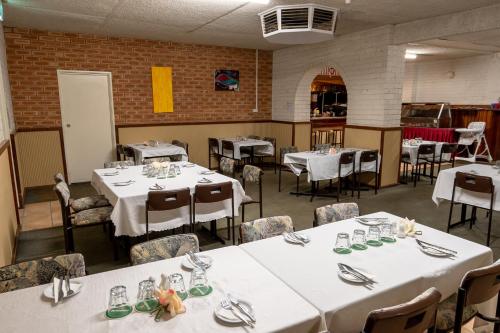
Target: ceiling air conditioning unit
298, 24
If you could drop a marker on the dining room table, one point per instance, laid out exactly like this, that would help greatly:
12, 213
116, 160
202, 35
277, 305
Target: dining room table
276, 307
401, 270
443, 188
254, 146
325, 165
159, 149
410, 148
127, 190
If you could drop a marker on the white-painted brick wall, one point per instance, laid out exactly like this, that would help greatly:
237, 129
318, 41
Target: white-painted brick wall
372, 70
476, 80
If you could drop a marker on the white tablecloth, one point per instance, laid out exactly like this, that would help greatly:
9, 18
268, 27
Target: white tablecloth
143, 151
277, 308
323, 166
444, 186
412, 150
260, 146
129, 211
401, 269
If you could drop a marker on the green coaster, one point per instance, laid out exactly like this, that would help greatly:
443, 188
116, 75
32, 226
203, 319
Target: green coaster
388, 239
374, 243
203, 291
119, 312
183, 295
342, 250
147, 305
359, 247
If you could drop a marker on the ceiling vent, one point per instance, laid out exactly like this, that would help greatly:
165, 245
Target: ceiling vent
298, 24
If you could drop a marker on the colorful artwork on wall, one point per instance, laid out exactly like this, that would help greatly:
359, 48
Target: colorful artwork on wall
227, 80
163, 100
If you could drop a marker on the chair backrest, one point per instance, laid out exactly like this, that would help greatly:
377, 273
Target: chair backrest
449, 148
479, 125
37, 272
181, 144
481, 284
255, 137
156, 159
287, 150
119, 152
59, 177
368, 156
335, 212
213, 192
213, 145
265, 228
227, 147
269, 139
474, 183
252, 174
64, 195
163, 248
347, 157
168, 200
415, 316
426, 149
322, 146
114, 164
226, 166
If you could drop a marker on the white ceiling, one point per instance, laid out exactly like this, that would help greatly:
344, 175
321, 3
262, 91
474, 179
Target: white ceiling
215, 22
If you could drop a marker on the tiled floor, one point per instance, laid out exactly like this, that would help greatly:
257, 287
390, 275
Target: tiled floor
40, 215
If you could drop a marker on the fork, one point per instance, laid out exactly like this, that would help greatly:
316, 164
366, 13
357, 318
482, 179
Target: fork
226, 304
366, 284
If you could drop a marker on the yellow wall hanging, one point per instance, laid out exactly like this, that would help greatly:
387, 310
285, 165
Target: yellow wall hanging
163, 99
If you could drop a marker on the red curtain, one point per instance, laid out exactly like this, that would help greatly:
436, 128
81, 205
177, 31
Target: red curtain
430, 134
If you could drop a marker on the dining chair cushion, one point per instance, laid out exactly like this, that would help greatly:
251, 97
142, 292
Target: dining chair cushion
36, 272
93, 201
114, 164
252, 173
445, 319
227, 165
163, 248
336, 212
265, 228
93, 216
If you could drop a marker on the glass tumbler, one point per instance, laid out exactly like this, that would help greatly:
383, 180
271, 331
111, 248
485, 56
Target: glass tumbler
146, 300
342, 245
198, 285
177, 283
118, 305
373, 237
386, 234
359, 240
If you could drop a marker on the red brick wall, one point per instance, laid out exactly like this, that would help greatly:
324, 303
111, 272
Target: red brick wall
34, 56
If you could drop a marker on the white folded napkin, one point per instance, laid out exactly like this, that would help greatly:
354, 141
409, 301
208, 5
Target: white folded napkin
56, 289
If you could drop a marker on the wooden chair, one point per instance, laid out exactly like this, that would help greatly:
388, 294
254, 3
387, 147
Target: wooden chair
251, 174
282, 167
227, 166
477, 286
181, 144
213, 151
336, 212
168, 200
447, 148
83, 203
473, 183
163, 248
368, 156
261, 155
423, 159
415, 316
212, 193
346, 159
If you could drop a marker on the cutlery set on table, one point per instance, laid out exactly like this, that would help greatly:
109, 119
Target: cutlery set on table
62, 287
296, 238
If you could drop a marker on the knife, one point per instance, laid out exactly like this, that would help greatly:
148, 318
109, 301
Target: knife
60, 291
237, 304
358, 273
437, 247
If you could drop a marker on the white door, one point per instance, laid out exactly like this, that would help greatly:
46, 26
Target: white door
87, 120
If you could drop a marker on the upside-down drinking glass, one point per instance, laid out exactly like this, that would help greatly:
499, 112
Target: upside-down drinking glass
342, 245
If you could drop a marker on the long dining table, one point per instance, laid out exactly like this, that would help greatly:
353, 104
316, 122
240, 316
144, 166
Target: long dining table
129, 208
401, 269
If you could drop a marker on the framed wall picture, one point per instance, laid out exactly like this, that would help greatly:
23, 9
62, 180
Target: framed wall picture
227, 80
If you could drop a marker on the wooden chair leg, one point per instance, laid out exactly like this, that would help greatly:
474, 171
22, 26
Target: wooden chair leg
242, 213
297, 186
228, 221
339, 188
279, 181
489, 229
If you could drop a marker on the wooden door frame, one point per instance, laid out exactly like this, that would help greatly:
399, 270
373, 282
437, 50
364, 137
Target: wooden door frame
109, 77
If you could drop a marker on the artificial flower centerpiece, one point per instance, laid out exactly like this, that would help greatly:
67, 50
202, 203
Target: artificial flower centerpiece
332, 151
170, 302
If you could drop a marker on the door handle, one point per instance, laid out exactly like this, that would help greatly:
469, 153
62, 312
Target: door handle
68, 125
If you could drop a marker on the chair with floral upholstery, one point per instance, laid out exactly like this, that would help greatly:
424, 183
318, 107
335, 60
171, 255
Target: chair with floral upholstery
335, 212
227, 166
156, 159
163, 248
265, 228
322, 146
282, 167
37, 272
478, 286
114, 164
251, 174
84, 218
77, 205
182, 144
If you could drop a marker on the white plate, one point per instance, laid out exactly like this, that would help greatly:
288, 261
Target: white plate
369, 222
228, 316
75, 286
433, 252
352, 278
205, 259
204, 181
